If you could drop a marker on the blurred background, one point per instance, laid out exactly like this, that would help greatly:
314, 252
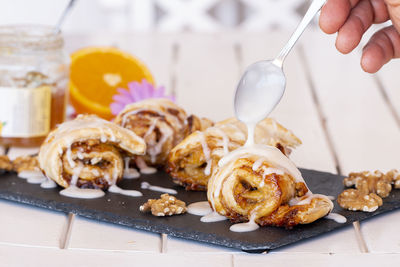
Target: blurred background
158, 15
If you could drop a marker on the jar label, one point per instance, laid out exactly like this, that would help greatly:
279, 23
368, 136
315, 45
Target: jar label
25, 112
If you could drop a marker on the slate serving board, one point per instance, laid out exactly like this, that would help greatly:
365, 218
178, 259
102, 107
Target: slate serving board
124, 210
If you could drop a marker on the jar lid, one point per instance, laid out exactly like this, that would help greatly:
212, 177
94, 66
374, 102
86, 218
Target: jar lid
30, 37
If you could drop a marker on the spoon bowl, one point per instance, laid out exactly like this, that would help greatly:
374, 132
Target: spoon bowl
262, 85
259, 90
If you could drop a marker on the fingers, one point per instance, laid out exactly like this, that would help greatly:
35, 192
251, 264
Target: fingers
394, 10
382, 47
350, 34
334, 14
380, 11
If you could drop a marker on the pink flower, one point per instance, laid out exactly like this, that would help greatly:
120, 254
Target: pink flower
137, 92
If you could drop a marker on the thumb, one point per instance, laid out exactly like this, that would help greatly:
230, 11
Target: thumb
394, 12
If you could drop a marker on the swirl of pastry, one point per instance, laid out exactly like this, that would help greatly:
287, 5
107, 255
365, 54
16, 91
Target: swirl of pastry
193, 160
160, 122
88, 152
260, 184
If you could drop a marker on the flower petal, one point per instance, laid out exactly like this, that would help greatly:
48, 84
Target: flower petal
116, 108
124, 92
134, 92
122, 99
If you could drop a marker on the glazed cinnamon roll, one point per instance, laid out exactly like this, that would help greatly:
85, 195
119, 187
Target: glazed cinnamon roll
161, 123
88, 152
260, 184
193, 160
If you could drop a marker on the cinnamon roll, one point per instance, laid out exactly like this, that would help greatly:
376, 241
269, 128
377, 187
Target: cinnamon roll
261, 185
193, 160
161, 123
88, 152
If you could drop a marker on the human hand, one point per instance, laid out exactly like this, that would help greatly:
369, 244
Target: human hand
352, 18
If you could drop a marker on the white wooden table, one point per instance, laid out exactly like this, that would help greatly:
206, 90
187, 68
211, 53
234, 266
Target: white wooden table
348, 121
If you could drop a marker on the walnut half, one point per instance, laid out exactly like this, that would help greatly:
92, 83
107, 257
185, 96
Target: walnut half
165, 206
5, 163
354, 199
370, 182
26, 163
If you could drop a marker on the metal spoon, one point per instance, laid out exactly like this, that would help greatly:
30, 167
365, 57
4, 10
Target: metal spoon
66, 11
262, 85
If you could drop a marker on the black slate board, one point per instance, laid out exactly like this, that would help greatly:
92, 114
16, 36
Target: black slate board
124, 210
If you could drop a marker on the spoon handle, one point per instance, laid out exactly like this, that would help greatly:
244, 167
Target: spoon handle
60, 21
315, 6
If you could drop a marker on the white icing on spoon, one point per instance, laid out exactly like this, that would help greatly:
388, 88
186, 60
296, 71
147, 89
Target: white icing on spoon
336, 217
201, 208
132, 193
146, 185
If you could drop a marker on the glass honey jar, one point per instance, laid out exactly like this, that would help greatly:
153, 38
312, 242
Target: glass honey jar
33, 83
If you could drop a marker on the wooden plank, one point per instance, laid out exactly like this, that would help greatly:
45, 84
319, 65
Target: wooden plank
381, 234
314, 259
89, 234
297, 110
363, 130
25, 256
30, 226
207, 73
179, 245
339, 241
389, 80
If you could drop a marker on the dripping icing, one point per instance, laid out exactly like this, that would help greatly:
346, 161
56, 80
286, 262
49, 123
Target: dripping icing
146, 185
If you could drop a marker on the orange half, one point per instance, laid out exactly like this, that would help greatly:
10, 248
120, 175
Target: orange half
95, 75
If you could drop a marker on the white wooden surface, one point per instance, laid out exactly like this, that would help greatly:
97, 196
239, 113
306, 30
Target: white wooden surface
348, 121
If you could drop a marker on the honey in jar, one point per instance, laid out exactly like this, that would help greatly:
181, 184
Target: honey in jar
33, 82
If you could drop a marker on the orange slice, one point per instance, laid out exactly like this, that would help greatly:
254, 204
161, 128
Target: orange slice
95, 75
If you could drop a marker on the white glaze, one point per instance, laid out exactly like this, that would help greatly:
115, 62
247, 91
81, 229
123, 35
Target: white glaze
212, 217
143, 166
71, 162
244, 227
75, 192
132, 193
336, 217
130, 173
207, 154
48, 183
155, 149
258, 163
32, 176
251, 127
200, 208
275, 157
331, 198
225, 138
146, 185
166, 132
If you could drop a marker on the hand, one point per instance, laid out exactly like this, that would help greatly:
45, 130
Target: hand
352, 18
